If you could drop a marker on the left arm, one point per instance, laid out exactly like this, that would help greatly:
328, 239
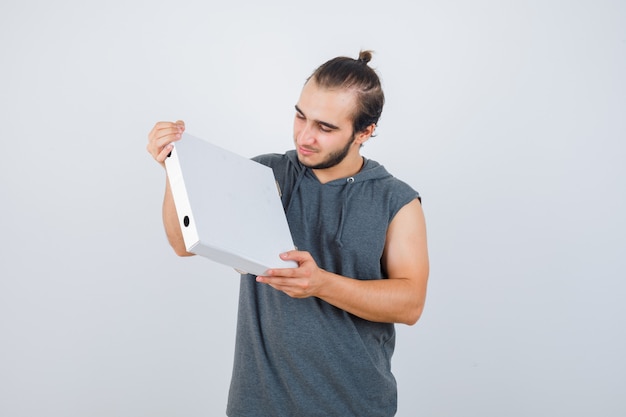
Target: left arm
398, 299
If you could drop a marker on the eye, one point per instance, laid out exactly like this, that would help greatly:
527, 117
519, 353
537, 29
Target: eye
325, 129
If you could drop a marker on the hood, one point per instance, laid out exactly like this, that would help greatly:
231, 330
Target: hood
370, 171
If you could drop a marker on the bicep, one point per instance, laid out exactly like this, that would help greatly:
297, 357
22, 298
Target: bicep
406, 253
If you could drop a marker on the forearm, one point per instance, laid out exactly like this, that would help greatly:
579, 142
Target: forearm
397, 300
171, 223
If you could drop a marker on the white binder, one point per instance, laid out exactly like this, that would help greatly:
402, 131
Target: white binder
228, 207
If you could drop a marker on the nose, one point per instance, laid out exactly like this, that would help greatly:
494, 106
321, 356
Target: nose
304, 134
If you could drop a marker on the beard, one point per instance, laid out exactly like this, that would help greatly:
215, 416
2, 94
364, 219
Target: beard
334, 158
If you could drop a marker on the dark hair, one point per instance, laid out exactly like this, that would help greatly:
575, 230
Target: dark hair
355, 74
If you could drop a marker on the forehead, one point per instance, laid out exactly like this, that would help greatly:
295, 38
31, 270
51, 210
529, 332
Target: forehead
330, 105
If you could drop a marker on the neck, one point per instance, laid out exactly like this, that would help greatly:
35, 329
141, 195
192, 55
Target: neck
347, 168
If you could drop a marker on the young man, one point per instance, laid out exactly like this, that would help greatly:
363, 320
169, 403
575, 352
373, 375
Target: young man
317, 340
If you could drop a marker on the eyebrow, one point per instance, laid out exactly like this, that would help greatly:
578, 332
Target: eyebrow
328, 125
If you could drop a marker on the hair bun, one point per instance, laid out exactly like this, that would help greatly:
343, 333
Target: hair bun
365, 57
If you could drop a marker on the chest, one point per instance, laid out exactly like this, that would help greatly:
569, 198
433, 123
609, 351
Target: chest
343, 227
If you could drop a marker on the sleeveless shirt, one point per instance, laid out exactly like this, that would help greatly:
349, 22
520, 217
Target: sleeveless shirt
305, 357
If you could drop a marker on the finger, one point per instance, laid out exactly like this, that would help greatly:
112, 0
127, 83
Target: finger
165, 153
295, 255
167, 136
164, 124
157, 146
279, 283
162, 129
166, 130
162, 137
277, 273
159, 126
280, 272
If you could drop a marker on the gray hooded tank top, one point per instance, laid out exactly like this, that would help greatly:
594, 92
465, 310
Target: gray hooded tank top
305, 357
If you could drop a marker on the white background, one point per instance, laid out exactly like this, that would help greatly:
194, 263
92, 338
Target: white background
509, 117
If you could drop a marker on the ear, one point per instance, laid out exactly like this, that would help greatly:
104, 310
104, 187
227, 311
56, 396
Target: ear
365, 134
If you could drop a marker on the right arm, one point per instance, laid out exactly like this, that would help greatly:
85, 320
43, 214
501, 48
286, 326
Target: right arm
159, 146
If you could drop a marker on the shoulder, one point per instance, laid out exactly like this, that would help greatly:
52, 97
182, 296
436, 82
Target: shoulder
404, 190
390, 186
275, 160
269, 159
400, 195
285, 165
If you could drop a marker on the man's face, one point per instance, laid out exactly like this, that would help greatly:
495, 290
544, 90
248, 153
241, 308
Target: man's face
322, 127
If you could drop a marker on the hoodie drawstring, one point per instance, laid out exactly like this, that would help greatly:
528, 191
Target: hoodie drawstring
347, 189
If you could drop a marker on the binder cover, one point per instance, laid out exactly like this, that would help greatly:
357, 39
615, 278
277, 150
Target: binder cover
228, 207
